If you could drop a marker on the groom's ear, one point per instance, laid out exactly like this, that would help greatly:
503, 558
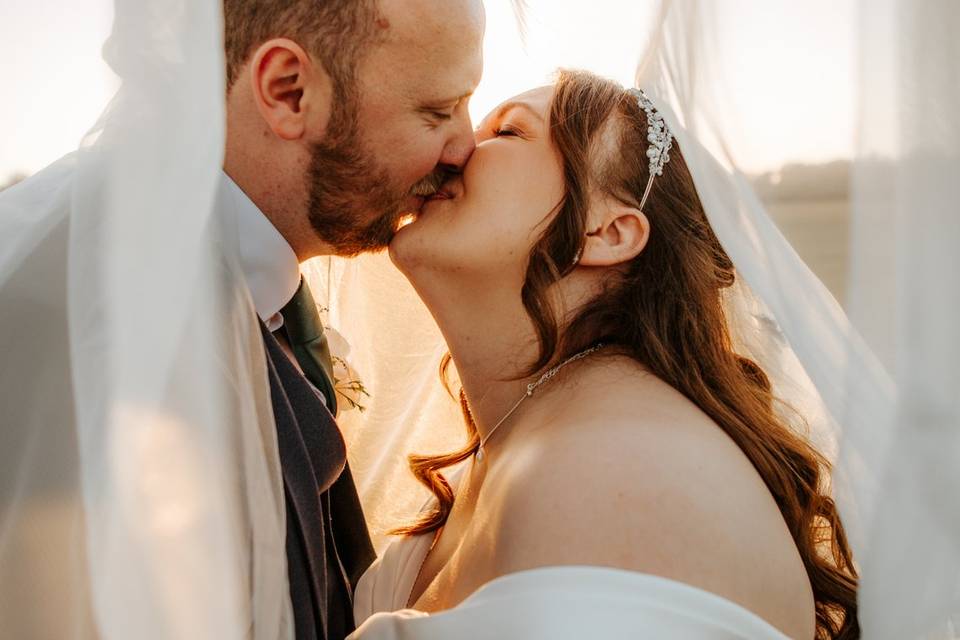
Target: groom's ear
616, 233
293, 92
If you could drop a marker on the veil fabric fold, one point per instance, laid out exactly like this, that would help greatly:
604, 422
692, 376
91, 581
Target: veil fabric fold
906, 299
141, 492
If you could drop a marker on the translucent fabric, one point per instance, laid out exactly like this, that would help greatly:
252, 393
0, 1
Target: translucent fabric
140, 493
905, 298
387, 336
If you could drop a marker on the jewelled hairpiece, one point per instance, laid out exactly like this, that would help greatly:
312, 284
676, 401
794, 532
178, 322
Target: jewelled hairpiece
660, 138
661, 141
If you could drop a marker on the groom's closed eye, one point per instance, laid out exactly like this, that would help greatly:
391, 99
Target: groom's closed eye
437, 114
444, 109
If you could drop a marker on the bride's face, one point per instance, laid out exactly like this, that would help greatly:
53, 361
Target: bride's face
484, 223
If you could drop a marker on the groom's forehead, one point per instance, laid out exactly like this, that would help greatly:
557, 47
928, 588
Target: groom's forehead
434, 46
437, 24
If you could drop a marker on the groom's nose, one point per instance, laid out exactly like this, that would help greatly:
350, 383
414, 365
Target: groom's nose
460, 146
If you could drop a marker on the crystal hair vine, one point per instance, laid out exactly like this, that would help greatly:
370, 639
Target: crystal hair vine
659, 137
661, 141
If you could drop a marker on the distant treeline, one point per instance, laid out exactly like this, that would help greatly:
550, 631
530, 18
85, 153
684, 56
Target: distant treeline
830, 181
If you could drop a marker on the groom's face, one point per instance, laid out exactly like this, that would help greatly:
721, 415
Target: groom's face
406, 127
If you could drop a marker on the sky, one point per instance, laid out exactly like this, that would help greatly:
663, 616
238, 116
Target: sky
788, 69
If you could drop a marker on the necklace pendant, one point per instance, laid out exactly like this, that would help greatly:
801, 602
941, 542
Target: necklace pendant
480, 455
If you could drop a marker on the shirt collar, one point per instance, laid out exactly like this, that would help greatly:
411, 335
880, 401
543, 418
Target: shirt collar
269, 264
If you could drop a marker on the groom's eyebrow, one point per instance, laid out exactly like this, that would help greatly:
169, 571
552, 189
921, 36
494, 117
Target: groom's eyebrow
509, 106
452, 101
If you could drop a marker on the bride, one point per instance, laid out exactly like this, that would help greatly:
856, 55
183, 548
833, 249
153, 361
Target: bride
627, 471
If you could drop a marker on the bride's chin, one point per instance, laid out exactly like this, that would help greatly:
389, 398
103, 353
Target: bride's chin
407, 242
416, 243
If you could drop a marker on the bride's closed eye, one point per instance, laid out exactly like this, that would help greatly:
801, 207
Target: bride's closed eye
492, 130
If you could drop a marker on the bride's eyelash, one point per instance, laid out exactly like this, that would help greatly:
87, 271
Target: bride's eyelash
506, 130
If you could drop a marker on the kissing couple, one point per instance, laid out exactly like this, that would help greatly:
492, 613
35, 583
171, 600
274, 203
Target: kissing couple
628, 472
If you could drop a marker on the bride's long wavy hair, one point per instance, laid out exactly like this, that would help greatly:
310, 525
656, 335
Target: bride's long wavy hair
665, 309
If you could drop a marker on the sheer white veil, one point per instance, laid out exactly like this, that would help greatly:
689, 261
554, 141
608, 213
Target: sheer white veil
905, 299
140, 494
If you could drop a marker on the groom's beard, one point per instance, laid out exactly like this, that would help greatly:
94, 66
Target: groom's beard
346, 185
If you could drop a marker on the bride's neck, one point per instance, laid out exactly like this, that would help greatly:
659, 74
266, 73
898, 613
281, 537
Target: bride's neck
491, 340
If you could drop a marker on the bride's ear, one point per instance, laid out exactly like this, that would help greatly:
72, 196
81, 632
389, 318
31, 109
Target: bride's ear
616, 236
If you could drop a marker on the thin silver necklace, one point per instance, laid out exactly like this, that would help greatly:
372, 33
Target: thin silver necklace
531, 389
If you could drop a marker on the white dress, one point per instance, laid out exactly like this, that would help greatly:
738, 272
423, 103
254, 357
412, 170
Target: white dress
549, 602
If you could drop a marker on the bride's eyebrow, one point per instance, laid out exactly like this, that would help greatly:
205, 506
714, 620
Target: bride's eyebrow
509, 106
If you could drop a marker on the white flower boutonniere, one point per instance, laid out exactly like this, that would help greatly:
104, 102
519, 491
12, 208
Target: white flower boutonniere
346, 380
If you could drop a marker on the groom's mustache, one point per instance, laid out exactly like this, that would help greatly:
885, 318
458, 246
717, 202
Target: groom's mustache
429, 185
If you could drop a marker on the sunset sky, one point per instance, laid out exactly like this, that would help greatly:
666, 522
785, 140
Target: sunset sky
790, 66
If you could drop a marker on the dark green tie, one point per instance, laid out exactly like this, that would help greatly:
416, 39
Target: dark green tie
301, 323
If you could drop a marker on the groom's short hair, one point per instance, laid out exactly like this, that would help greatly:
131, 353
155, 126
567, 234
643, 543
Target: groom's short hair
336, 31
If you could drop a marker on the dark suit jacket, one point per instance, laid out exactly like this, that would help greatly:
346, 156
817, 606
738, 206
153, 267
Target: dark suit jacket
328, 546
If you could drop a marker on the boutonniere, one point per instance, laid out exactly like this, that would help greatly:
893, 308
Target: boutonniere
346, 381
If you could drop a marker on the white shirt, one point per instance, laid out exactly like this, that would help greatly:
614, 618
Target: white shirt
269, 265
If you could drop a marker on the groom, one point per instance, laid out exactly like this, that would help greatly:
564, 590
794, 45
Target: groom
342, 116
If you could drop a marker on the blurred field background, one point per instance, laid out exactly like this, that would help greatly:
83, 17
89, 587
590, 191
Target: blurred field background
810, 204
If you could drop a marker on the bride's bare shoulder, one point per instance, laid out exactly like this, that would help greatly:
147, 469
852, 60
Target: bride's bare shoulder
629, 473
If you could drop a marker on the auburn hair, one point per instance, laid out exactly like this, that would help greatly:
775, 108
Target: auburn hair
665, 310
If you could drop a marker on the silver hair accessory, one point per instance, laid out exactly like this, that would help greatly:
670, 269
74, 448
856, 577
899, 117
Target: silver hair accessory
661, 141
659, 137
